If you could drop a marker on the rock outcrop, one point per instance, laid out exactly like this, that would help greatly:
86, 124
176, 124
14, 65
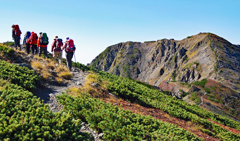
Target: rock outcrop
168, 64
194, 58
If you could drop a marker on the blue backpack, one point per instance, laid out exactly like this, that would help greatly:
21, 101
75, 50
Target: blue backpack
28, 35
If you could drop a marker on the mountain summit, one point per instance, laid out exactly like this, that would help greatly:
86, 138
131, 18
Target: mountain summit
204, 56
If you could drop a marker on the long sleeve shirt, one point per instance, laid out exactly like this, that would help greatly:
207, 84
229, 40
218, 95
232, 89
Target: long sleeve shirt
54, 46
38, 43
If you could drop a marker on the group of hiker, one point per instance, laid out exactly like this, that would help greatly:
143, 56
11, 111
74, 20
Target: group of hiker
38, 45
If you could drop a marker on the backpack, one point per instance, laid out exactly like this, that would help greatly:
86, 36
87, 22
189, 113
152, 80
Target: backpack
44, 39
27, 35
59, 44
17, 30
70, 46
34, 39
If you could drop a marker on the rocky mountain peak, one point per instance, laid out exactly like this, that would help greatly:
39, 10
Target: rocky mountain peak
192, 59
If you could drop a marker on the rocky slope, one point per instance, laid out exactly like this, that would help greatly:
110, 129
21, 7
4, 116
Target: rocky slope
192, 59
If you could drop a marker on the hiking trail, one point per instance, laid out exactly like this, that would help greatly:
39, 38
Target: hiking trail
47, 91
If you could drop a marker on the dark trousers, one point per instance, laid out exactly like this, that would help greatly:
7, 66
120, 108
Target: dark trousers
44, 50
28, 48
17, 42
69, 56
34, 49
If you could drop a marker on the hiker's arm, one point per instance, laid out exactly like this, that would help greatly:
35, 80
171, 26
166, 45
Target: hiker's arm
29, 39
38, 42
64, 46
53, 44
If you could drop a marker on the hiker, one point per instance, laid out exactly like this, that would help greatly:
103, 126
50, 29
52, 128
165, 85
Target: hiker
56, 47
33, 42
69, 49
42, 43
26, 37
16, 33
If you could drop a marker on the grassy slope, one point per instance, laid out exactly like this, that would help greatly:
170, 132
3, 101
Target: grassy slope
110, 79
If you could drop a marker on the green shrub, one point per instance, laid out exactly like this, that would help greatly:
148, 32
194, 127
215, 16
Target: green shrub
201, 83
186, 84
174, 75
184, 94
9, 43
26, 117
207, 90
149, 41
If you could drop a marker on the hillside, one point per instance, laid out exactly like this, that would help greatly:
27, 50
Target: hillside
120, 108
179, 66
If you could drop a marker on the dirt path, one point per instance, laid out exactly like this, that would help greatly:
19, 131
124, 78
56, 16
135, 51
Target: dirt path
49, 91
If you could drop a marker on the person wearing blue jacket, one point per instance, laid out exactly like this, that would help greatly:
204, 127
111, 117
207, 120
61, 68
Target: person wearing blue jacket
26, 36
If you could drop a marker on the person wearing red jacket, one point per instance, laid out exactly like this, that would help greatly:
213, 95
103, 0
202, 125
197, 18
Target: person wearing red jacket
16, 35
43, 47
56, 47
69, 48
32, 40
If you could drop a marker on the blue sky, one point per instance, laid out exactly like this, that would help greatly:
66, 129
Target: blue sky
97, 24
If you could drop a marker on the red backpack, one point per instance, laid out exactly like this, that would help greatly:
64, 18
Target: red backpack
70, 46
34, 39
17, 30
59, 44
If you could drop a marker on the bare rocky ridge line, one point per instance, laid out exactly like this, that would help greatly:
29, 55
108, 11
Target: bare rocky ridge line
167, 63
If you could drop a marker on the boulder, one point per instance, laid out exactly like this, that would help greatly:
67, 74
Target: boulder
18, 60
23, 65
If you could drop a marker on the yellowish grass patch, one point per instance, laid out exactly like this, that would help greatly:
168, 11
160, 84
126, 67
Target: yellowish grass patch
50, 65
36, 65
66, 75
45, 74
20, 52
61, 68
59, 80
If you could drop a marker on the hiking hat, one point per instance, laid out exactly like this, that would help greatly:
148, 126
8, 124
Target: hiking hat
67, 38
40, 33
13, 26
56, 37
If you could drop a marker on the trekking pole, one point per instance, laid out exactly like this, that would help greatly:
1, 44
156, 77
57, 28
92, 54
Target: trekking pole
74, 55
75, 61
75, 58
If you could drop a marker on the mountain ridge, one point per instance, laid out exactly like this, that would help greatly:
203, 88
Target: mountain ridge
132, 111
192, 59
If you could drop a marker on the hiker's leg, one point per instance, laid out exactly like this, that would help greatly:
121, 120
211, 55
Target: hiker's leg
71, 55
67, 59
18, 42
45, 52
60, 58
54, 56
37, 50
15, 42
32, 49
40, 52
28, 48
